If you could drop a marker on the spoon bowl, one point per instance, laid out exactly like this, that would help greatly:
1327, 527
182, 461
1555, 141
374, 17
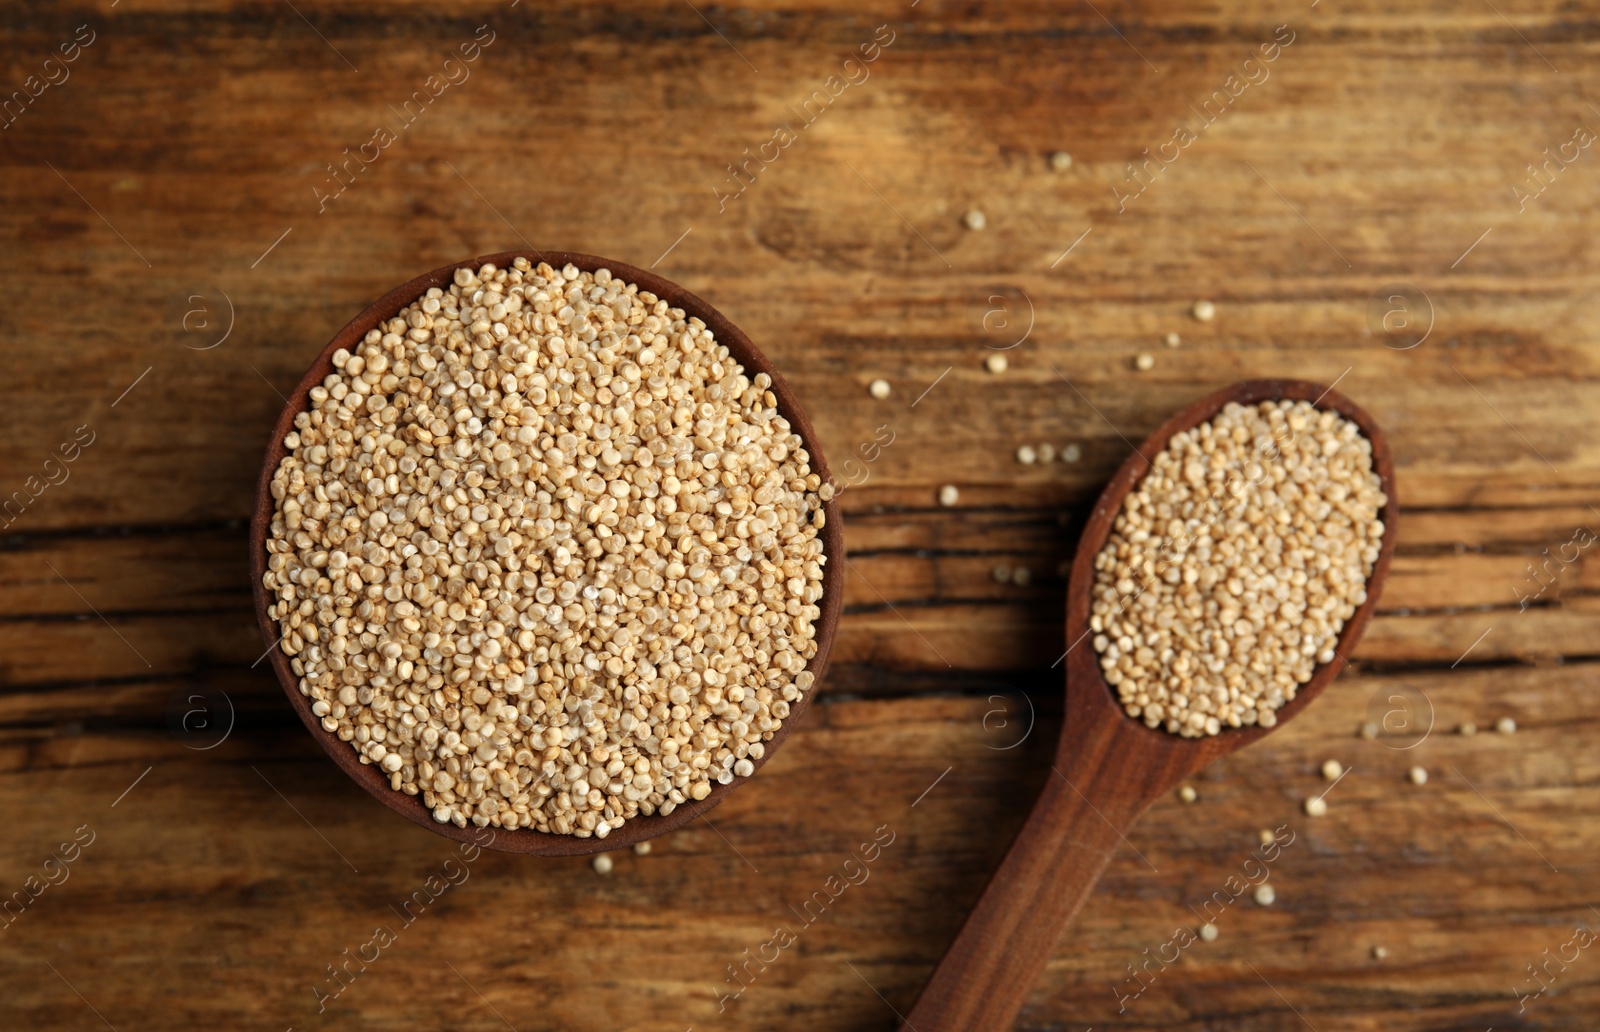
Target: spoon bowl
369, 777
1110, 767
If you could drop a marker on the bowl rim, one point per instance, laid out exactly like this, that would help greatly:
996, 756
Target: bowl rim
530, 840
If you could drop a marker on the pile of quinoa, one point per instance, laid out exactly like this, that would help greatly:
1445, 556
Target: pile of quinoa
544, 554
1234, 565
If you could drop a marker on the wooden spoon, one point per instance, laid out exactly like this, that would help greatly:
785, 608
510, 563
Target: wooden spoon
1109, 767
368, 776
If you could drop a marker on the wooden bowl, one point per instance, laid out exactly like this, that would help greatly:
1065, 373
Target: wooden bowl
527, 840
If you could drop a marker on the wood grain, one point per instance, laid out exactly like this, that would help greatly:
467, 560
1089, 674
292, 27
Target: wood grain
160, 179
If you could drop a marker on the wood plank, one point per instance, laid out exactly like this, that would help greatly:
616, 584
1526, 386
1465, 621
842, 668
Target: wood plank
921, 593
1511, 322
1457, 897
125, 570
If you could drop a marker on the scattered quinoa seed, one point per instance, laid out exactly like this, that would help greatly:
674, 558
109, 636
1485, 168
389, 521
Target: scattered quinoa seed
974, 219
545, 554
1001, 573
1026, 455
1379, 952
1369, 731
1233, 566
1418, 775
602, 863
641, 848
1316, 806
1469, 729
1188, 794
949, 495
879, 389
1060, 161
1173, 340
1266, 895
1506, 726
1145, 362
1205, 311
995, 363
1071, 453
1021, 576
1208, 932
1047, 453
1266, 837
1331, 769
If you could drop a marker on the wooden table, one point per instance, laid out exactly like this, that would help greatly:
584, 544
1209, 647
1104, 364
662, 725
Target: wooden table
171, 273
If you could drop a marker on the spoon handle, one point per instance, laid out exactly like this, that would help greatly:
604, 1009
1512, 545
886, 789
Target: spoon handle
986, 975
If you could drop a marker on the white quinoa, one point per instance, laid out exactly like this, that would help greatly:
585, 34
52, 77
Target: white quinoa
1234, 565
546, 555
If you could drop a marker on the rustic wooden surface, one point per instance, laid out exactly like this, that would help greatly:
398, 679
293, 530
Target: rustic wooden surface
144, 195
